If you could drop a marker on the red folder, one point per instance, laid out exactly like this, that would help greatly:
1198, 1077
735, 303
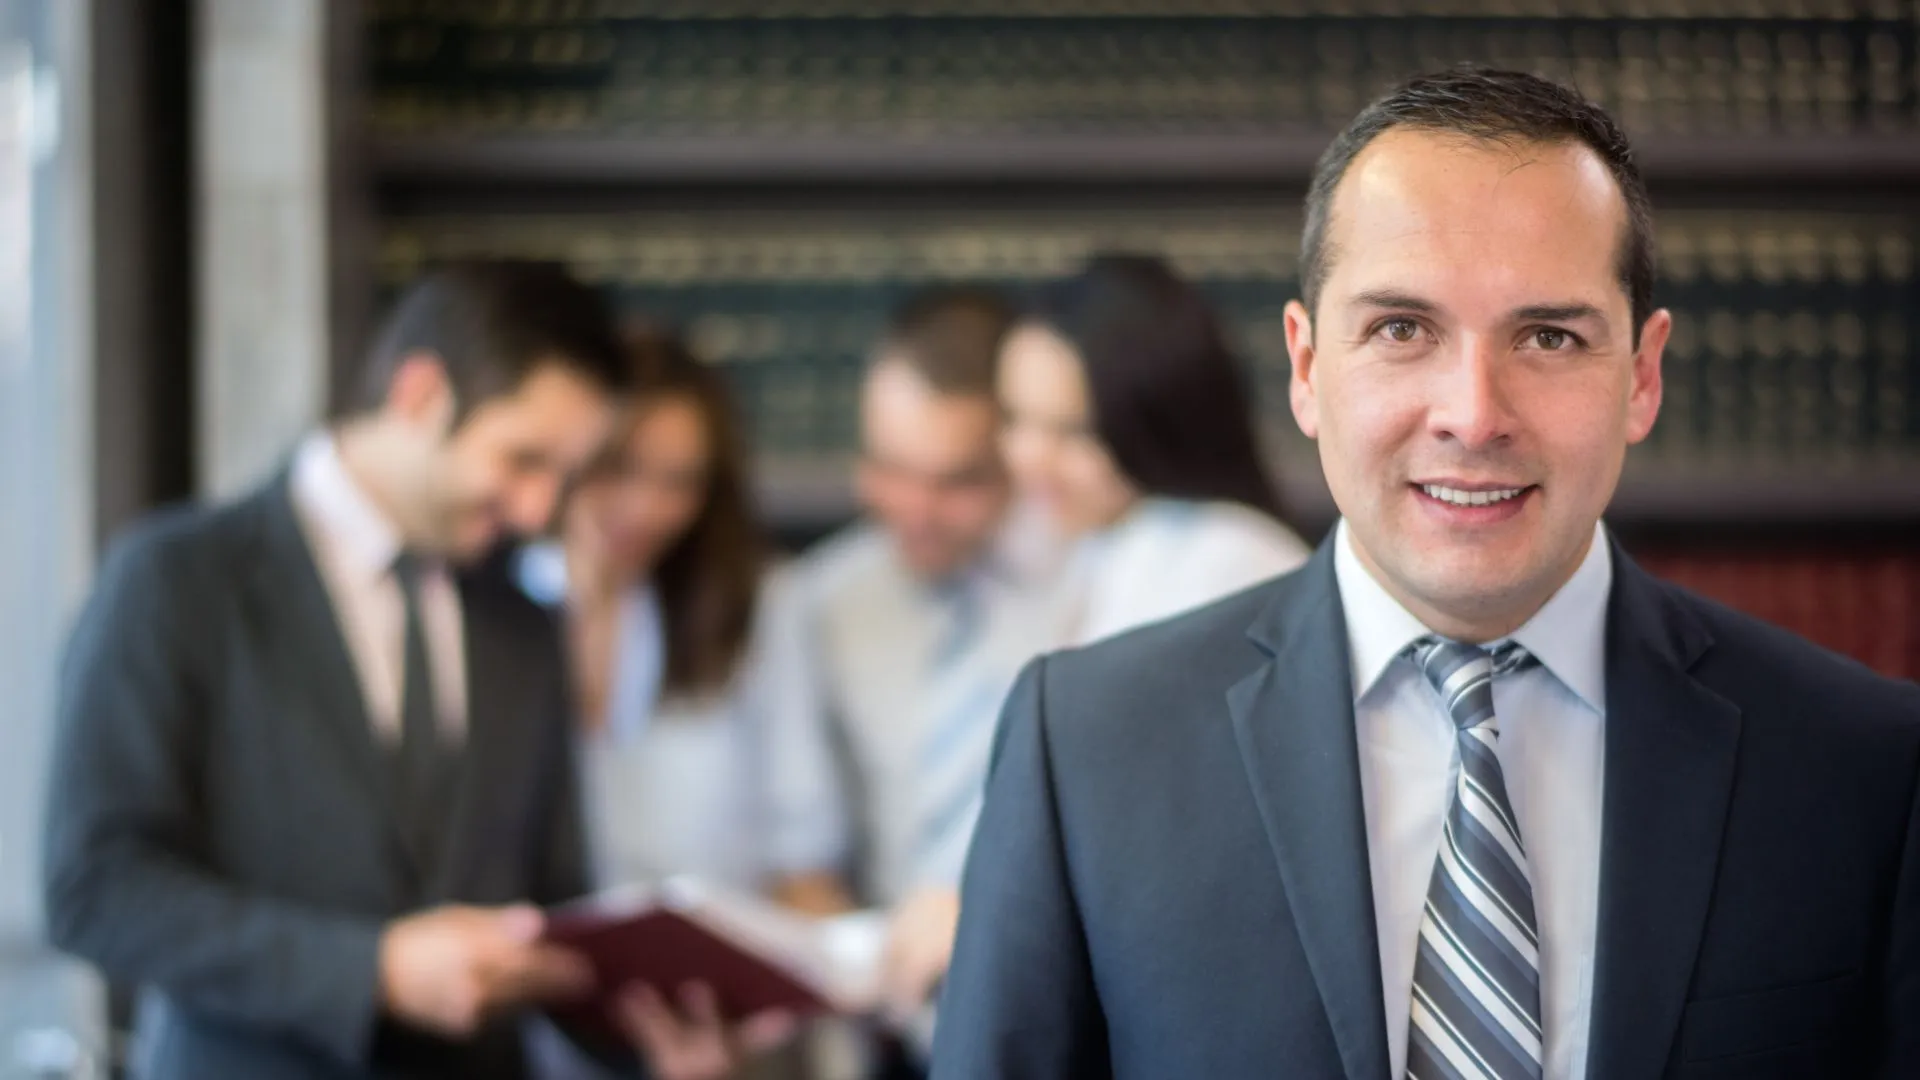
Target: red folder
755, 955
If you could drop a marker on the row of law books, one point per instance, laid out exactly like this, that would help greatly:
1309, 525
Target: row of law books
448, 74
1815, 361
797, 376
1790, 254
1863, 604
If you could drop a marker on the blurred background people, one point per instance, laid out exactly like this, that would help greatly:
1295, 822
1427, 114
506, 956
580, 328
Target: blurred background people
308, 774
900, 640
1129, 433
658, 569
176, 312
1130, 426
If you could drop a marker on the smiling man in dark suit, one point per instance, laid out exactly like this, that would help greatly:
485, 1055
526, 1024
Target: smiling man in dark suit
312, 770
1471, 795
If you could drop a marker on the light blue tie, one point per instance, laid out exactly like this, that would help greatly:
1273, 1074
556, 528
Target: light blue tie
1476, 977
963, 702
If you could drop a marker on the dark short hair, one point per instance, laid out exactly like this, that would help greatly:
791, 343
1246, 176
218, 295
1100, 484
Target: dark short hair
1170, 399
1495, 106
950, 336
492, 323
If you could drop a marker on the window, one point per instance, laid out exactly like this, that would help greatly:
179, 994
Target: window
48, 1008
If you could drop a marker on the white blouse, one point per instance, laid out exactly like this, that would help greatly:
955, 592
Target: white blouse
668, 785
1169, 556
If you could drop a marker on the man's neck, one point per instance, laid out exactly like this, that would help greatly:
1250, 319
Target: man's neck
1500, 617
362, 456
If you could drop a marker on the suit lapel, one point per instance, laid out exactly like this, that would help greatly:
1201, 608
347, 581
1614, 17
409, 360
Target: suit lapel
300, 631
1671, 745
1294, 722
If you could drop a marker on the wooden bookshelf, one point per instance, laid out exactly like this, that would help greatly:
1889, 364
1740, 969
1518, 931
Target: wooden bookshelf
698, 126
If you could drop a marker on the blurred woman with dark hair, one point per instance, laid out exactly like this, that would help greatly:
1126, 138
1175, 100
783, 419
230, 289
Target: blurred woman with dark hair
1130, 424
658, 570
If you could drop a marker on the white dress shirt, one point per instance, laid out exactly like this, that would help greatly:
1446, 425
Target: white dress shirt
1168, 556
354, 545
1551, 723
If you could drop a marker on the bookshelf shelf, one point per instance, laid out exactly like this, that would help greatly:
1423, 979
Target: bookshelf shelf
450, 161
845, 159
1762, 496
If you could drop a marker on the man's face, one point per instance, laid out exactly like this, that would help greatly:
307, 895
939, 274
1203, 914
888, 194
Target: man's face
502, 469
1470, 374
930, 469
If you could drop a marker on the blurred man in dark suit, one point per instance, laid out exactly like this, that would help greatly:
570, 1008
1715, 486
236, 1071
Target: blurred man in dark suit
1471, 795
312, 768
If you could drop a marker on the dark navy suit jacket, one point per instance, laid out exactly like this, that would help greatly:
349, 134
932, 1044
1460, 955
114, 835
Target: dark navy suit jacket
1170, 878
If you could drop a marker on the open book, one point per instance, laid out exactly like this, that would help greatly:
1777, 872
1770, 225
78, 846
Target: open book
755, 954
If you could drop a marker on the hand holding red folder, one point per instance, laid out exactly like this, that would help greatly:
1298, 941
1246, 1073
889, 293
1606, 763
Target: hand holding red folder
693, 1042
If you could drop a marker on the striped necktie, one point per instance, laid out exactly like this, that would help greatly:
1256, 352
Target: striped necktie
1476, 977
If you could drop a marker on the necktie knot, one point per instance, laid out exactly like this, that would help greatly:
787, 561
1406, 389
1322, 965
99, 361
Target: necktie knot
408, 568
1463, 674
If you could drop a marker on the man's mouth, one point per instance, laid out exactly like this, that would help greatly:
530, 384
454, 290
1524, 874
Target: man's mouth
1472, 497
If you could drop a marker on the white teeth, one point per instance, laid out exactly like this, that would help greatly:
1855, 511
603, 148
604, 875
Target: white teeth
1469, 498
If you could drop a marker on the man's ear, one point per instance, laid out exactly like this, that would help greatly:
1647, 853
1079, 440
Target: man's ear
420, 392
1300, 388
1643, 397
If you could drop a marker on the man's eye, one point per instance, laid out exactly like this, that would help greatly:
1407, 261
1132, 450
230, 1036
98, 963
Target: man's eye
1401, 331
1551, 339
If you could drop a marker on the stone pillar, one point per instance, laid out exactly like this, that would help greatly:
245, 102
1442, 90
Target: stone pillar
46, 421
264, 182
49, 1008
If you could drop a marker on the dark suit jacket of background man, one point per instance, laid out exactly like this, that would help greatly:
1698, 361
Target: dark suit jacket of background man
219, 830
1171, 879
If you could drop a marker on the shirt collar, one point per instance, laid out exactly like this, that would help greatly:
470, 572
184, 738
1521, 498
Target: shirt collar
359, 534
1379, 629
1567, 635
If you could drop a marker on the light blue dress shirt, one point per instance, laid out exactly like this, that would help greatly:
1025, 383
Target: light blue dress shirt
883, 691
1551, 748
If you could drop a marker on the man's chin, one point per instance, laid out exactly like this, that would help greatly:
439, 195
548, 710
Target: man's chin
473, 547
1479, 589
929, 564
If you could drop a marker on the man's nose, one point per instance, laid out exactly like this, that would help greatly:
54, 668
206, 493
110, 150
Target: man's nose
530, 507
1469, 403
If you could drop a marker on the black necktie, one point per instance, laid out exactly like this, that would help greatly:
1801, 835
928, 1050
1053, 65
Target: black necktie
420, 761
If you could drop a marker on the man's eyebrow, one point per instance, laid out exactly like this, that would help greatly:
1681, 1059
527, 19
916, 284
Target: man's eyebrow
1557, 313
1387, 298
